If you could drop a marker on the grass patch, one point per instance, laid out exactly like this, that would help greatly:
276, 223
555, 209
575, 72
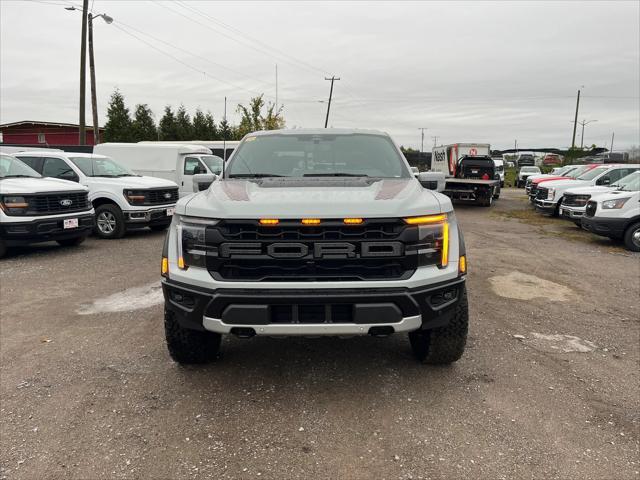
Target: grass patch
529, 216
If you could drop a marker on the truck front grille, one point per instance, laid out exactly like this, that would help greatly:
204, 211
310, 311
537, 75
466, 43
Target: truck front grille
160, 196
542, 193
590, 211
377, 250
573, 200
55, 203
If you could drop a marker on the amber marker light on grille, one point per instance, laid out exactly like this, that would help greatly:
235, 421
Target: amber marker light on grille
269, 222
311, 221
353, 221
426, 220
462, 264
164, 269
181, 264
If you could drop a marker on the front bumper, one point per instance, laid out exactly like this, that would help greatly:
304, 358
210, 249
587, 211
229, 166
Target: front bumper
605, 226
304, 311
145, 218
546, 206
45, 229
572, 213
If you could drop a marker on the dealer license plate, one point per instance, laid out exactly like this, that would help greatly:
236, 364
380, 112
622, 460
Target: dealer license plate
170, 212
70, 223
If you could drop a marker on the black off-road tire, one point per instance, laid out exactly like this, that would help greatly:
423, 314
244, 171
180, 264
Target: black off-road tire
3, 249
630, 233
496, 193
487, 201
160, 227
190, 346
443, 345
112, 213
72, 242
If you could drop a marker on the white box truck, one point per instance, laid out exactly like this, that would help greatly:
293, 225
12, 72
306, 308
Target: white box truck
470, 172
219, 148
173, 161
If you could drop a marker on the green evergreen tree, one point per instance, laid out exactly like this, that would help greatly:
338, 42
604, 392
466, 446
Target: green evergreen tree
210, 127
143, 126
118, 126
168, 126
224, 131
184, 128
200, 130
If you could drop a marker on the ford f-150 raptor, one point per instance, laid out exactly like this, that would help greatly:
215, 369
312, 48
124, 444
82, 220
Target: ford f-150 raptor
316, 232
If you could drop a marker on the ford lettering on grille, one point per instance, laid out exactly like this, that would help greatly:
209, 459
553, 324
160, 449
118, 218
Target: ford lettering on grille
320, 250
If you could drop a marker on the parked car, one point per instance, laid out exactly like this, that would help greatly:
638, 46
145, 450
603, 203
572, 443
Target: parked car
524, 173
575, 200
176, 162
616, 214
35, 209
549, 197
535, 181
499, 163
122, 199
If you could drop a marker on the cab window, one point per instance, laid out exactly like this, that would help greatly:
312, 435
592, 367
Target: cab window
58, 168
192, 166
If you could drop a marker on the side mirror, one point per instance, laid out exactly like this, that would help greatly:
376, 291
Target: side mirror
70, 176
202, 181
199, 169
432, 180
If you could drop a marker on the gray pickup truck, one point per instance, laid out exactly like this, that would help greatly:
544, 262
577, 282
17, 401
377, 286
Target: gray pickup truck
315, 232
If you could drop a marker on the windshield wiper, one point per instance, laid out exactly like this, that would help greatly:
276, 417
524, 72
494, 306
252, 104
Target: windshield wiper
107, 176
126, 175
335, 174
254, 175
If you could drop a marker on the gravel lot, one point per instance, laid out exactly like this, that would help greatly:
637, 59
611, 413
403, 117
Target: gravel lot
548, 388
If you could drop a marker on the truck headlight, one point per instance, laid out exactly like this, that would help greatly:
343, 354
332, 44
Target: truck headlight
192, 246
551, 193
14, 205
614, 204
433, 239
135, 197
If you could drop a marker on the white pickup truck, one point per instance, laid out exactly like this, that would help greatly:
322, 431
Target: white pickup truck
35, 209
574, 202
549, 195
316, 232
122, 199
617, 214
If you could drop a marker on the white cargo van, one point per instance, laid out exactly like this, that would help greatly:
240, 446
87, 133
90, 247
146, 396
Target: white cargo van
173, 161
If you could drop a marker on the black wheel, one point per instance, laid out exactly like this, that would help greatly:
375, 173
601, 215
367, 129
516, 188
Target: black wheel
3, 249
496, 193
72, 242
159, 228
578, 224
502, 184
487, 201
632, 237
443, 345
190, 346
109, 221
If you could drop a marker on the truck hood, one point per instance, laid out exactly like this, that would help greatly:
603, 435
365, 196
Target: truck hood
37, 185
592, 190
612, 195
547, 178
131, 182
314, 197
564, 184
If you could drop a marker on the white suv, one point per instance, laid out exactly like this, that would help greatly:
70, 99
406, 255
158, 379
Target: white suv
35, 209
617, 214
122, 199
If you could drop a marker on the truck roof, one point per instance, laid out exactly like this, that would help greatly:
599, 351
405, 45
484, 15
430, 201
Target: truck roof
317, 131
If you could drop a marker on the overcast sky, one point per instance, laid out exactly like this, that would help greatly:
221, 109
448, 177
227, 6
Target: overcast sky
488, 72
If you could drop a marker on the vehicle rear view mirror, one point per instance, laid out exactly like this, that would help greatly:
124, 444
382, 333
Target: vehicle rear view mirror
432, 180
202, 181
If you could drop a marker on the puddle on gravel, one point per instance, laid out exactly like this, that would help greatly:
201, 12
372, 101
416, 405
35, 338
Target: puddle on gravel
522, 286
135, 298
559, 343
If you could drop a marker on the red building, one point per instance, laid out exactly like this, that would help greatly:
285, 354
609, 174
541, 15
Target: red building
43, 134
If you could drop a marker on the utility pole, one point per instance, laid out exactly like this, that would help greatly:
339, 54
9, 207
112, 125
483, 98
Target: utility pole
583, 123
613, 134
575, 122
333, 78
276, 87
422, 138
92, 71
82, 140
435, 140
224, 134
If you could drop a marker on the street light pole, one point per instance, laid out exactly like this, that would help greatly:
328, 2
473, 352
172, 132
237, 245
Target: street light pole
422, 138
82, 140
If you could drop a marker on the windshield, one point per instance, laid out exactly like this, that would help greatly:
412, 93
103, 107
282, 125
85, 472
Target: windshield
213, 163
320, 155
11, 167
578, 171
630, 183
530, 170
101, 167
591, 174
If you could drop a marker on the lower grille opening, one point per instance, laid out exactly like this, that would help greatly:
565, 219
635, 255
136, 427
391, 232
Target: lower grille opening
313, 313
